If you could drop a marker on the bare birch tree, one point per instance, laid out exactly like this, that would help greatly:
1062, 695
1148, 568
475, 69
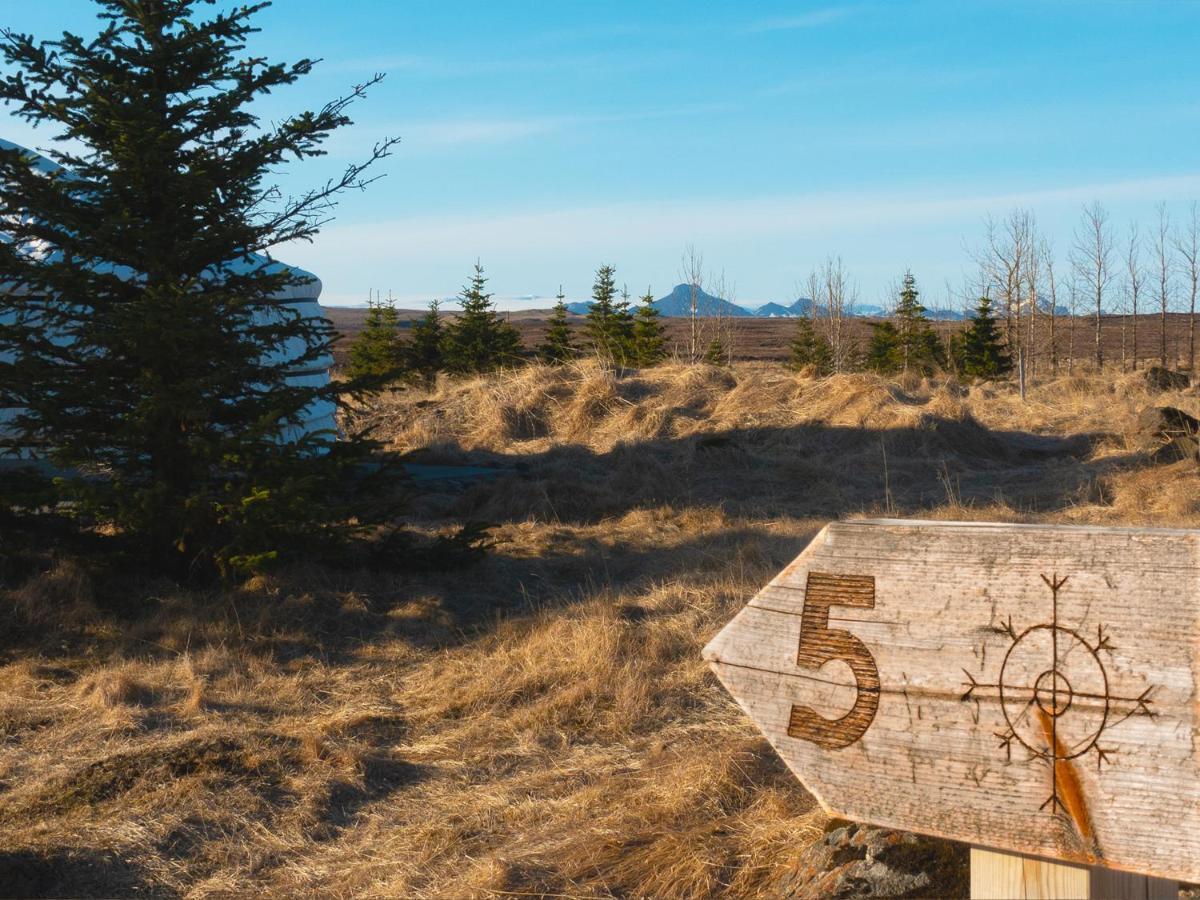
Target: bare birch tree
1000, 273
1031, 275
1005, 258
1187, 242
1073, 313
1047, 256
1163, 271
1135, 278
1093, 264
691, 272
833, 299
724, 323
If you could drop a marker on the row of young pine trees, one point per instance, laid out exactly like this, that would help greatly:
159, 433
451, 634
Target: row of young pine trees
908, 342
479, 340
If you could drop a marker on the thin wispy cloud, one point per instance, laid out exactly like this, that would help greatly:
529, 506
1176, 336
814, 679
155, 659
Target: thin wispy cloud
728, 219
866, 72
369, 65
482, 132
813, 19
460, 132
458, 66
885, 227
439, 135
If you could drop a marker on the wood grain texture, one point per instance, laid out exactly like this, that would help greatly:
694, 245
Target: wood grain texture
1009, 876
1055, 722
1005, 876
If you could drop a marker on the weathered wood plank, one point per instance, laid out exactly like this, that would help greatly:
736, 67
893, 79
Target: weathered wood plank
1004, 876
1029, 688
1009, 876
1109, 883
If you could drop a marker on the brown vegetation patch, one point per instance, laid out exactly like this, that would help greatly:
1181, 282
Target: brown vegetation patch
541, 722
259, 759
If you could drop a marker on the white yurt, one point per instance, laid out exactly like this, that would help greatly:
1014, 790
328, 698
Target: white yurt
303, 295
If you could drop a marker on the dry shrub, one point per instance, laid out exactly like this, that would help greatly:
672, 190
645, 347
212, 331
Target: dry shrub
1075, 404
193, 703
593, 399
1164, 496
856, 401
106, 689
503, 411
62, 596
541, 723
698, 831
582, 672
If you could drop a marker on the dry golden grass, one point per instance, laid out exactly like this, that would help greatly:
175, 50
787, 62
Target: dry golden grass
541, 723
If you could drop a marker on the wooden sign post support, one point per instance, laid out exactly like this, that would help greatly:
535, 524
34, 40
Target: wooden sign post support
1028, 689
996, 875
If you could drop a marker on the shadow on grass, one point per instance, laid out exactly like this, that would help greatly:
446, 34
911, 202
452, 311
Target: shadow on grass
799, 471
750, 476
73, 872
736, 484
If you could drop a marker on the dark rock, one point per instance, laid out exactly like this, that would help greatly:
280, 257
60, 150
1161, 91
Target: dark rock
858, 861
1160, 379
1168, 434
1168, 419
1177, 449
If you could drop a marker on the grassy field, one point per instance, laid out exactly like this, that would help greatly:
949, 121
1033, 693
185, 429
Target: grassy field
765, 340
540, 723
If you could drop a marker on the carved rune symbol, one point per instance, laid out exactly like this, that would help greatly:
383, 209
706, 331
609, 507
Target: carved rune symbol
1055, 696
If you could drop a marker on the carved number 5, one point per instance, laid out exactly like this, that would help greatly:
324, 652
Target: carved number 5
819, 643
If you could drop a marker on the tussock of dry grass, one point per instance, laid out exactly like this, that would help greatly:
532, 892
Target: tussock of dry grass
541, 723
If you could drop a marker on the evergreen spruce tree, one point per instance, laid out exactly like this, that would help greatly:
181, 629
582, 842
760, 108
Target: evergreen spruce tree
365, 350
557, 347
954, 352
809, 349
981, 348
623, 325
883, 351
715, 354
598, 324
378, 352
649, 336
423, 356
609, 325
931, 351
479, 340
918, 347
169, 412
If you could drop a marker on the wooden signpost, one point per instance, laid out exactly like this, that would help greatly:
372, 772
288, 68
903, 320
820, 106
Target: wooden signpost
1031, 690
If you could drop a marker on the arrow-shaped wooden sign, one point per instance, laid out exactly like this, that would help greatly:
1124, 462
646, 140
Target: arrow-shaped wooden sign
1028, 688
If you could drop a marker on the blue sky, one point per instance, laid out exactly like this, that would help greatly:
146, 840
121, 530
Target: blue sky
548, 139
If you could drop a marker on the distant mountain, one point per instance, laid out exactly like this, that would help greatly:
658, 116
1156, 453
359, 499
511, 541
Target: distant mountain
679, 303
869, 311
799, 307
946, 315
1044, 308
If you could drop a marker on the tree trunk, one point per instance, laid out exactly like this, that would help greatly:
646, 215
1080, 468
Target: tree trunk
1192, 334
